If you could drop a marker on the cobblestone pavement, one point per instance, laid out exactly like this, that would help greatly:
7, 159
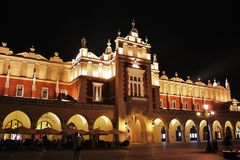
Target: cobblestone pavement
182, 151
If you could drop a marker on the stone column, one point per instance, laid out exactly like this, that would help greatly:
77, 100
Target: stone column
167, 133
183, 134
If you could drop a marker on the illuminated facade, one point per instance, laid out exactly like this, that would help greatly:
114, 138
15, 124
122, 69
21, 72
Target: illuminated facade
121, 89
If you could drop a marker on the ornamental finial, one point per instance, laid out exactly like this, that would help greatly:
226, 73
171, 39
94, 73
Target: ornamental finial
133, 23
119, 32
109, 43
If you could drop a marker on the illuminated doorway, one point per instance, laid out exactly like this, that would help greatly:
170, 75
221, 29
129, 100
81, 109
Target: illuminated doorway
49, 120
159, 131
104, 123
190, 131
136, 128
217, 130
175, 131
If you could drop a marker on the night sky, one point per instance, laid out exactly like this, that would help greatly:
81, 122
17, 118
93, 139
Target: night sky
196, 38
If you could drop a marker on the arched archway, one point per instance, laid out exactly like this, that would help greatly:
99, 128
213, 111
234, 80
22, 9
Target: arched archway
237, 131
104, 123
136, 128
175, 131
190, 131
217, 130
49, 120
229, 130
18, 116
203, 134
159, 131
16, 119
79, 121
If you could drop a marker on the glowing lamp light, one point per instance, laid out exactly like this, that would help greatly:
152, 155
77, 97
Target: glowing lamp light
198, 113
205, 106
212, 113
125, 124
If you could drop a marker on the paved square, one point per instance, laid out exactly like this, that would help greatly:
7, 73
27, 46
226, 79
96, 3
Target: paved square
184, 151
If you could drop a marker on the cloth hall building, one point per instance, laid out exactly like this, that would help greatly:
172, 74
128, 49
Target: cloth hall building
121, 89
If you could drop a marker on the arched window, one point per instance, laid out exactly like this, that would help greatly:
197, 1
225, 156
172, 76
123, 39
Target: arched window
44, 124
71, 125
13, 124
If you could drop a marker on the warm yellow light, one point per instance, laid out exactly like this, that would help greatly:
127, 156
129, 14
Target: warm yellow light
212, 113
205, 106
84, 71
157, 121
198, 113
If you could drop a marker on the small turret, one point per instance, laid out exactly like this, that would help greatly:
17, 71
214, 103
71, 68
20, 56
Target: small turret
227, 85
83, 42
214, 83
109, 48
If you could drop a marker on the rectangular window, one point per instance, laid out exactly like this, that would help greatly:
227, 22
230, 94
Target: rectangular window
135, 86
20, 90
131, 87
44, 93
174, 104
186, 105
197, 107
97, 91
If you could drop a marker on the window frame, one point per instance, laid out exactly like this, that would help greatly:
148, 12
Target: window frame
19, 85
97, 87
175, 104
42, 93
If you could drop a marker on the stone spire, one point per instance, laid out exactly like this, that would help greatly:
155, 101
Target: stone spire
83, 42
146, 39
176, 74
214, 83
227, 84
109, 48
155, 58
4, 44
134, 31
32, 49
119, 32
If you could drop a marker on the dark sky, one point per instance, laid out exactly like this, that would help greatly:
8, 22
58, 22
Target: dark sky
196, 38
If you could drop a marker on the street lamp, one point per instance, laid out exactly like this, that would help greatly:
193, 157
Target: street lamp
206, 114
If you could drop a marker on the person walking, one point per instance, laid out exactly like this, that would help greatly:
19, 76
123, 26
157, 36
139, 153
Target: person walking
77, 146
